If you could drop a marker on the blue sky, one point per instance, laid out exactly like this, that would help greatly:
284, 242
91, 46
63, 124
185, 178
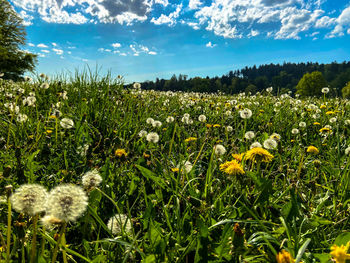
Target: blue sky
145, 39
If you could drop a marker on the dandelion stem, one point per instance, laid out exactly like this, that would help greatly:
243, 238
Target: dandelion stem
55, 252
8, 244
35, 225
42, 245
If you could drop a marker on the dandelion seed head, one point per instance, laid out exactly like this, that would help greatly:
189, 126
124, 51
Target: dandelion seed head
295, 131
270, 144
67, 123
255, 145
249, 135
202, 118
119, 223
157, 124
150, 121
142, 133
152, 137
29, 199
91, 179
170, 119
66, 202
219, 149
245, 114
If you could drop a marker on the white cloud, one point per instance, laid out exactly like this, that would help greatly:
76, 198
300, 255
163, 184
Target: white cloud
194, 25
342, 23
209, 44
54, 44
42, 45
138, 49
45, 51
57, 51
161, 2
253, 33
31, 45
152, 53
194, 4
116, 45
170, 19
123, 54
27, 19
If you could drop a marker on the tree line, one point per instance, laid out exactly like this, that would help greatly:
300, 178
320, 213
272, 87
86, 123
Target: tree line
282, 77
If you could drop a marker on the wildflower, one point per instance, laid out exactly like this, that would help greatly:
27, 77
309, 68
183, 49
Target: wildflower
44, 85
120, 153
190, 139
347, 122
119, 223
325, 130
347, 151
258, 155
152, 137
202, 118
66, 202
156, 124
339, 254
170, 119
29, 199
232, 168
48, 221
229, 128
295, 131
82, 150
175, 170
149, 121
208, 125
312, 149
249, 135
330, 112
325, 90
246, 113
91, 179
219, 149
22, 117
42, 75
302, 124
333, 120
270, 144
186, 115
237, 157
323, 106
317, 123
142, 133
255, 145
67, 123
137, 85
275, 136
29, 101
216, 125
284, 257
269, 90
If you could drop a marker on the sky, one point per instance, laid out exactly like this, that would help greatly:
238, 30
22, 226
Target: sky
145, 39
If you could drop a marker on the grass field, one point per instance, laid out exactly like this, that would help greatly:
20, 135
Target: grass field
93, 172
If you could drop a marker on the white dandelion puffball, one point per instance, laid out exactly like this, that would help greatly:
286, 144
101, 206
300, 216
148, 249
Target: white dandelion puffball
44, 85
245, 114
67, 123
325, 90
249, 135
347, 151
202, 118
187, 166
21, 117
150, 121
152, 137
219, 149
29, 199
229, 128
295, 131
270, 144
119, 223
269, 90
170, 119
50, 221
302, 124
275, 136
142, 133
91, 179
137, 85
255, 145
66, 202
333, 120
157, 124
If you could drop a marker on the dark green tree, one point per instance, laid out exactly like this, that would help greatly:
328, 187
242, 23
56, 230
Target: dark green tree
13, 61
346, 91
311, 84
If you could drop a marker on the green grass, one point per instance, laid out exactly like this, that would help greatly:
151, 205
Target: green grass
298, 202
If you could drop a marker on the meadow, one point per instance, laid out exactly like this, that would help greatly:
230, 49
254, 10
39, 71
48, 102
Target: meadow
94, 172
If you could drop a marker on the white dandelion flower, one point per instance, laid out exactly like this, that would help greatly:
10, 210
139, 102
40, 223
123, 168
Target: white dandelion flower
347, 151
50, 221
246, 113
21, 117
249, 135
186, 115
202, 118
152, 137
302, 124
44, 85
119, 223
347, 122
229, 128
275, 136
150, 121
270, 144
67, 123
137, 85
333, 120
255, 145
66, 202
325, 90
142, 133
219, 149
82, 150
269, 90
187, 166
157, 124
185, 120
295, 131
170, 119
91, 179
29, 199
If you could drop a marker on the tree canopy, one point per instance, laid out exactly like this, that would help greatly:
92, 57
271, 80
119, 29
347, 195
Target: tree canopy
13, 61
311, 84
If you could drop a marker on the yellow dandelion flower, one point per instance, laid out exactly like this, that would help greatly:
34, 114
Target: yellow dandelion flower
175, 170
261, 111
339, 254
323, 106
52, 117
312, 149
219, 141
145, 155
292, 140
209, 125
216, 125
317, 123
190, 139
330, 112
258, 154
232, 168
48, 131
325, 130
309, 110
284, 257
238, 157
227, 105
120, 153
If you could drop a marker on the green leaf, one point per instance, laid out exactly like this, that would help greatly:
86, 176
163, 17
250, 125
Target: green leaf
342, 239
151, 176
302, 250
